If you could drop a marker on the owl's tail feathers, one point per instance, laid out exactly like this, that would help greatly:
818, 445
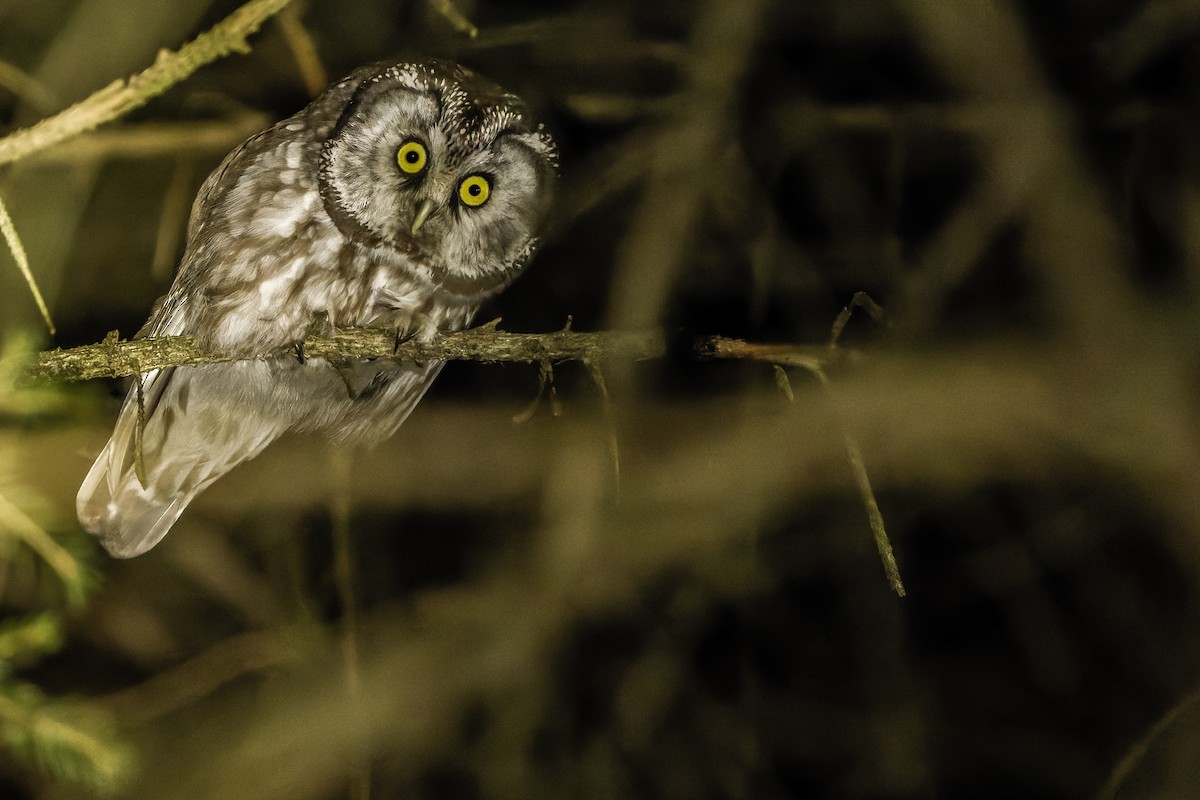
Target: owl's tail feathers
128, 518
196, 429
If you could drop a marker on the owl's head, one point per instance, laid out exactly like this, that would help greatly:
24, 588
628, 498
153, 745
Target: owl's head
435, 162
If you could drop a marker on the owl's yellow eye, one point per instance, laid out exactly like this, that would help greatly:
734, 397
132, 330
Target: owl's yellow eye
411, 157
474, 191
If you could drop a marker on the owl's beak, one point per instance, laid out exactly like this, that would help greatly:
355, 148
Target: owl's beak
423, 212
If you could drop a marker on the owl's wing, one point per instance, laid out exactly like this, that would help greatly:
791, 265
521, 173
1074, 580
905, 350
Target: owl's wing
199, 423
191, 426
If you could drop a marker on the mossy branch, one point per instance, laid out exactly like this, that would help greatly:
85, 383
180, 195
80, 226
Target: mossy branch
116, 358
122, 96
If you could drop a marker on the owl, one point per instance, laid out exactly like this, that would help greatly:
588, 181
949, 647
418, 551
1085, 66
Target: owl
403, 196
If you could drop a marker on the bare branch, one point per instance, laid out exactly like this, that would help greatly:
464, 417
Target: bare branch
115, 358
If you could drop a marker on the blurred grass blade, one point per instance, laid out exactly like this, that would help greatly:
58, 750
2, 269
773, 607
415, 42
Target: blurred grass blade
18, 253
70, 571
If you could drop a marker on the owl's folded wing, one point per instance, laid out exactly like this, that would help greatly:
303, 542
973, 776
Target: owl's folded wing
199, 423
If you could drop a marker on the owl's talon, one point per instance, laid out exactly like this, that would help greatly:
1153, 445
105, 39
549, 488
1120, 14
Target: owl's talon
298, 347
402, 338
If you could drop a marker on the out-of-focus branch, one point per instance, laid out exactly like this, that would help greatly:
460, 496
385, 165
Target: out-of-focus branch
122, 96
28, 88
204, 673
797, 119
304, 50
146, 140
116, 358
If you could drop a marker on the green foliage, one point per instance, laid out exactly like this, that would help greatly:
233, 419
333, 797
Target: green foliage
70, 740
30, 637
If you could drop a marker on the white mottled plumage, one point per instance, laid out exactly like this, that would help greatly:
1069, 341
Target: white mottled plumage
311, 220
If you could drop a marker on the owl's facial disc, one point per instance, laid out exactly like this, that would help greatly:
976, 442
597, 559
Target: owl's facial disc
442, 167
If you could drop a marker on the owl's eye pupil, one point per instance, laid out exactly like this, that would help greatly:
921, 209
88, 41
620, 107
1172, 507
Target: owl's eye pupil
411, 157
474, 190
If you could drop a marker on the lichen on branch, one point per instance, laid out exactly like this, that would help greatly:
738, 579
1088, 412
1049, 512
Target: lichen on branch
116, 358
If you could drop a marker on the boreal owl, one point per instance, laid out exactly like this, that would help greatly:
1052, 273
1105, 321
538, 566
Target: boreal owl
403, 196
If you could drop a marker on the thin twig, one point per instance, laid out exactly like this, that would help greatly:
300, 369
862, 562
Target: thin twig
139, 463
883, 543
27, 88
545, 378
815, 360
808, 357
784, 384
859, 300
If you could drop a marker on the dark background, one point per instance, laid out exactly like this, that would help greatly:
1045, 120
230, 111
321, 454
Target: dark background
1015, 183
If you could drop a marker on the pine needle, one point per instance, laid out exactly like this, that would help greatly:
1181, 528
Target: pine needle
18, 253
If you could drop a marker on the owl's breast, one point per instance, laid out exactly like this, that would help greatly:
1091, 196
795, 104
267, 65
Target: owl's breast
265, 260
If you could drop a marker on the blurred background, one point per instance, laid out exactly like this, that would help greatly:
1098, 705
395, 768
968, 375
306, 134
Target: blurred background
1016, 183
